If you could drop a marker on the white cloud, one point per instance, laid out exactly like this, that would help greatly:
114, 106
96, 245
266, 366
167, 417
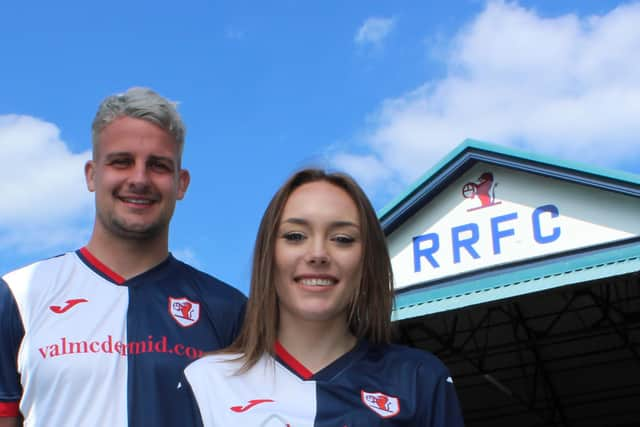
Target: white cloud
44, 199
374, 30
361, 168
187, 255
566, 86
43, 240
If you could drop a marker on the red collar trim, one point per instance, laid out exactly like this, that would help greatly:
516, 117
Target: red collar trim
95, 262
292, 362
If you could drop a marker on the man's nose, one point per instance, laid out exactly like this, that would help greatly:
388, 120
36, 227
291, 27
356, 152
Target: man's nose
139, 176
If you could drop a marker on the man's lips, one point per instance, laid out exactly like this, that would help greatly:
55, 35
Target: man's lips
142, 201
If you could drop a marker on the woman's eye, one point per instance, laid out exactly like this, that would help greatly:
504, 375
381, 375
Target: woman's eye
293, 236
344, 240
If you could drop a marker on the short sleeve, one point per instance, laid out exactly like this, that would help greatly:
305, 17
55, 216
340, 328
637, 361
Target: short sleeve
439, 395
11, 333
185, 388
237, 324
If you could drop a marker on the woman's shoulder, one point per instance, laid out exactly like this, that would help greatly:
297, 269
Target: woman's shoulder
214, 362
400, 355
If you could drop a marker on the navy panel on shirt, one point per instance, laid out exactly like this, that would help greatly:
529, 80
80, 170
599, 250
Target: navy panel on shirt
176, 313
386, 386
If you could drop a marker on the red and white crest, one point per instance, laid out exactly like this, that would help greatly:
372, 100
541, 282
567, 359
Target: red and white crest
484, 189
384, 405
184, 311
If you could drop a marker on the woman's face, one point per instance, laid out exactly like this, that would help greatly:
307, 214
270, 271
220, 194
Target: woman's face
318, 254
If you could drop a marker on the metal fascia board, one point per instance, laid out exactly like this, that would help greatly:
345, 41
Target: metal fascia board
605, 263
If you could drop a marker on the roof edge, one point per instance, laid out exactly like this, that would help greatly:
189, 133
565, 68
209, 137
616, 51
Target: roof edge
471, 146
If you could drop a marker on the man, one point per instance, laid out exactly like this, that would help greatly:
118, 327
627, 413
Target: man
100, 336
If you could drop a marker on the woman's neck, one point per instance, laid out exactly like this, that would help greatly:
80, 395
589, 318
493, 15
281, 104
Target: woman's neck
316, 344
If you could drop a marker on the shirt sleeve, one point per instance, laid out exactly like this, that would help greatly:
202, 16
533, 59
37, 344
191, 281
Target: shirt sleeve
185, 387
11, 333
237, 325
441, 399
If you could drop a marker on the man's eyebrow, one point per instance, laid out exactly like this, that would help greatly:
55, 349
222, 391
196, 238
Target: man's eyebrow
150, 158
117, 154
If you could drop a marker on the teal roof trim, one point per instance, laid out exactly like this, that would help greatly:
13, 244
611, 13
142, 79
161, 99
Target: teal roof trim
423, 179
564, 164
568, 270
478, 150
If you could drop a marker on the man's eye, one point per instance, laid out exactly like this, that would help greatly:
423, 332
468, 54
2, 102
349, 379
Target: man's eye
293, 236
120, 162
160, 167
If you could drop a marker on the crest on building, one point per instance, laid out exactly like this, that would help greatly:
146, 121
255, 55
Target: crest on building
484, 189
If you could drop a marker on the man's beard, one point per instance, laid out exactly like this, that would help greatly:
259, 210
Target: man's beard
128, 231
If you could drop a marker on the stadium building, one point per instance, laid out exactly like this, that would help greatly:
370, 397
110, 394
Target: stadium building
522, 274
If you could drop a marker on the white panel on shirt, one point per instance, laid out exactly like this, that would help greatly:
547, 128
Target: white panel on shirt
71, 372
268, 395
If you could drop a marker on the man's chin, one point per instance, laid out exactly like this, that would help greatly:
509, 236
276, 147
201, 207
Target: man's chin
139, 231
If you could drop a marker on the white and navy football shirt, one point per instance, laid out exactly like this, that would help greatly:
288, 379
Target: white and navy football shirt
367, 387
82, 346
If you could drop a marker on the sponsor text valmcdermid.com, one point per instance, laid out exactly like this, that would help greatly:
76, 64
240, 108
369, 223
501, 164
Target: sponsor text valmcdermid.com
65, 347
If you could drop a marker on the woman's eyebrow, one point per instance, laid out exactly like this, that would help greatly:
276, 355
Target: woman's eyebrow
345, 223
293, 220
333, 224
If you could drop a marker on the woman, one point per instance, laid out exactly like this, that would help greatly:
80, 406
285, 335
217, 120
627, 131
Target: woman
314, 349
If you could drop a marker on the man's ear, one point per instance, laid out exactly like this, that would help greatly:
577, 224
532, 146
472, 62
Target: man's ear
183, 183
89, 175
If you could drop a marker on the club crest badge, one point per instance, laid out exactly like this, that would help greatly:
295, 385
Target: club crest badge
380, 403
484, 189
184, 311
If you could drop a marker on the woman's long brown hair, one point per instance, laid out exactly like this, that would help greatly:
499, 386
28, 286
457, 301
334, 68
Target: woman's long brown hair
370, 310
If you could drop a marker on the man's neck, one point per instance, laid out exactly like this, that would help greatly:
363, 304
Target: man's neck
128, 258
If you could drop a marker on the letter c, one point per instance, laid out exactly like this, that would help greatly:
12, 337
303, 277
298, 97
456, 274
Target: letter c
537, 230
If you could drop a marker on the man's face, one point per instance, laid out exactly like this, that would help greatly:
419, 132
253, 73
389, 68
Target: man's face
137, 179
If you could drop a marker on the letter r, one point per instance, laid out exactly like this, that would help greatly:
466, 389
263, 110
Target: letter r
420, 252
457, 242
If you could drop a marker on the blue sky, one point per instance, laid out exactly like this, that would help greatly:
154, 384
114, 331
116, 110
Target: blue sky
382, 90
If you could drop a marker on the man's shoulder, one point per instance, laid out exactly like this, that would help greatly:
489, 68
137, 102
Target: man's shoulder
209, 284
48, 264
33, 281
